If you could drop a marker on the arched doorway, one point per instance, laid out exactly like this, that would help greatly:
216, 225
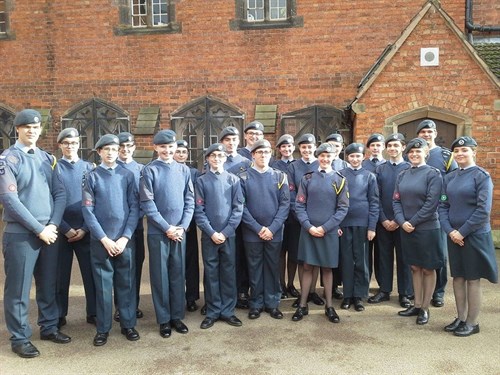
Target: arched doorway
8, 134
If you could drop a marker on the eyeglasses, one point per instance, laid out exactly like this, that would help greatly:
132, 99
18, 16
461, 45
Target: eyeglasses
263, 152
255, 134
217, 156
67, 144
127, 145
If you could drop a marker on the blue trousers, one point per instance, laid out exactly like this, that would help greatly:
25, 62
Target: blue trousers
354, 258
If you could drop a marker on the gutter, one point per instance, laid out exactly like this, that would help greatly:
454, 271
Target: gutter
469, 23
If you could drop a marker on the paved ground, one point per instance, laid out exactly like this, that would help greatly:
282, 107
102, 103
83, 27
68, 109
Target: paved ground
376, 341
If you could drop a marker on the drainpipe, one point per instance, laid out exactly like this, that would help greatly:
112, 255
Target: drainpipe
469, 23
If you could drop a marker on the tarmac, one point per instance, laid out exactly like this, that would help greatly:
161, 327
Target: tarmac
375, 341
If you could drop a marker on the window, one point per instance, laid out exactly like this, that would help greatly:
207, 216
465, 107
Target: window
147, 17
4, 20
266, 14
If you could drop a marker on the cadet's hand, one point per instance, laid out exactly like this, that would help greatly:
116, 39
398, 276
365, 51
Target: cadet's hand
390, 225
265, 234
110, 246
316, 232
70, 233
80, 233
175, 233
370, 235
48, 234
407, 227
120, 244
457, 237
218, 238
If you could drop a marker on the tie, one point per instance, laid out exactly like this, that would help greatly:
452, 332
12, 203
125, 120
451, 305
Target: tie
394, 164
217, 173
31, 151
110, 169
375, 160
308, 162
323, 171
72, 162
230, 158
288, 161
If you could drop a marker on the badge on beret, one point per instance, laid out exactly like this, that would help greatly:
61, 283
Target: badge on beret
220, 148
461, 142
36, 119
379, 137
309, 139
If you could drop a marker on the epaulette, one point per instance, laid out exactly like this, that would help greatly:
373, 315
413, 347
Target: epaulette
434, 168
484, 171
340, 174
308, 175
447, 157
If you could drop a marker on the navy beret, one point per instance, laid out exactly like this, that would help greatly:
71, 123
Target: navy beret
262, 143
182, 143
163, 137
324, 147
256, 125
335, 137
376, 137
124, 137
67, 133
426, 124
307, 139
354, 148
285, 139
395, 137
230, 130
213, 148
416, 143
107, 139
464, 141
27, 116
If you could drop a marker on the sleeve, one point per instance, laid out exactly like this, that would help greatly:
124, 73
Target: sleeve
147, 202
484, 188
378, 174
133, 203
188, 211
444, 208
301, 204
59, 196
247, 217
200, 214
341, 208
428, 209
284, 203
399, 216
236, 211
293, 189
88, 206
373, 202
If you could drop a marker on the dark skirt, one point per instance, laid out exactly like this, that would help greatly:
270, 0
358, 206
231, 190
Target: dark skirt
424, 248
291, 237
475, 260
322, 252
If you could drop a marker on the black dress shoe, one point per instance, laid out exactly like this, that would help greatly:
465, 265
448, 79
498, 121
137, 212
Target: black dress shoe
337, 294
165, 330
358, 304
452, 327
242, 301
466, 330
410, 311
232, 321
423, 317
116, 316
254, 314
346, 303
61, 322
207, 323
332, 315
203, 310
91, 319
191, 306
404, 301
274, 313
100, 339
300, 313
179, 326
315, 298
379, 297
296, 303
26, 350
292, 291
437, 302
139, 314
131, 334
57, 337
284, 295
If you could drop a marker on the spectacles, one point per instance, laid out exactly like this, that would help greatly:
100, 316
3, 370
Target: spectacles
256, 134
217, 156
127, 145
263, 152
67, 144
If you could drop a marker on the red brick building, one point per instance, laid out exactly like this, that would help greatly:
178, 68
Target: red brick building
197, 66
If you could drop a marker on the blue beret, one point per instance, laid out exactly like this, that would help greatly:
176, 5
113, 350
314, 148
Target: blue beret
306, 139
165, 136
335, 137
230, 130
354, 148
416, 143
262, 143
464, 141
107, 139
285, 139
376, 137
27, 116
256, 125
182, 143
324, 147
125, 137
215, 147
426, 124
67, 133
395, 137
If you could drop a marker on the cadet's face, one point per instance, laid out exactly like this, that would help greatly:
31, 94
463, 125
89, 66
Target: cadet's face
394, 149
252, 136
216, 160
325, 160
262, 156
28, 134
231, 142
355, 159
337, 148
416, 156
166, 151
464, 156
307, 151
376, 148
429, 135
108, 154
69, 147
181, 155
286, 150
126, 151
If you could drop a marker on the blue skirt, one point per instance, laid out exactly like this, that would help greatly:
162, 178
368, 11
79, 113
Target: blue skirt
322, 252
424, 248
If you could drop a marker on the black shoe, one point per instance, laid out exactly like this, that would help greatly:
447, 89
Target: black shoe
254, 314
191, 306
410, 311
379, 297
337, 294
131, 334
274, 313
453, 326
296, 303
300, 313
91, 319
139, 314
26, 350
165, 330
232, 321
466, 330
242, 301
404, 301
203, 310
207, 323
332, 315
61, 322
284, 295
423, 317
437, 302
179, 326
315, 298
346, 303
116, 316
57, 337
292, 291
358, 304
100, 339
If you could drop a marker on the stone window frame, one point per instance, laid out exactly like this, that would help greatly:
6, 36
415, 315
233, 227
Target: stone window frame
5, 30
240, 21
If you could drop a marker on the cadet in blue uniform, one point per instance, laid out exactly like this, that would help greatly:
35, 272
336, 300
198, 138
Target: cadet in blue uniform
33, 200
358, 228
167, 199
75, 237
415, 201
442, 159
321, 205
254, 131
388, 230
267, 203
111, 210
126, 160
192, 252
218, 211
464, 213
230, 138
286, 147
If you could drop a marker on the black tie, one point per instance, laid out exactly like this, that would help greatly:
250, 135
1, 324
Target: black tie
110, 169
31, 151
394, 164
375, 160
288, 161
323, 171
308, 162
72, 162
217, 173
230, 158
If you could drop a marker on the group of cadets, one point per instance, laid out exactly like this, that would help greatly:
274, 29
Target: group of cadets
262, 219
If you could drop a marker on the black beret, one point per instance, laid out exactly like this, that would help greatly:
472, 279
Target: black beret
256, 125
163, 137
124, 137
67, 133
262, 143
416, 143
285, 139
230, 130
395, 137
335, 137
376, 137
464, 141
354, 148
426, 124
182, 143
307, 139
215, 147
324, 147
27, 116
107, 139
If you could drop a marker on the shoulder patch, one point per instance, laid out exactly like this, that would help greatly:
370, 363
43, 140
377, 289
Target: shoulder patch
308, 175
443, 198
12, 159
396, 196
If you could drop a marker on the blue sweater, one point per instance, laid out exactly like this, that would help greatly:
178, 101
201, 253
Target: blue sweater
296, 171
442, 159
370, 166
231, 161
386, 174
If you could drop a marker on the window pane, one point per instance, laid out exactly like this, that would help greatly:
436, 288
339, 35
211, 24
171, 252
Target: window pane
3, 25
255, 10
139, 13
159, 12
277, 9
